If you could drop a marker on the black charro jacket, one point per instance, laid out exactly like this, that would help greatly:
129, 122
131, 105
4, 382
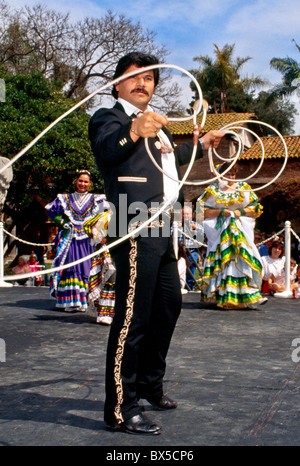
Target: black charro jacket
126, 166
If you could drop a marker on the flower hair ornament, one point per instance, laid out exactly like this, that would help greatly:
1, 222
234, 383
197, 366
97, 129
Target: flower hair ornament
220, 165
81, 172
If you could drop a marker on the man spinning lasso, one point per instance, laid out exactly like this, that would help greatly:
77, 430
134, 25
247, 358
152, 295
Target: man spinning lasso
148, 297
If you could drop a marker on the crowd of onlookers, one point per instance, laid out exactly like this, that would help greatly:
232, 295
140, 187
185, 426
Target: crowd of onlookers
25, 264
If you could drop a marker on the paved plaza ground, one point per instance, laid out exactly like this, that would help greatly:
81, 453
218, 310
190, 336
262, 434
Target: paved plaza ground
235, 375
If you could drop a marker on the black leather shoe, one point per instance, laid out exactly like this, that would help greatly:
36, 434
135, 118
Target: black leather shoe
137, 424
163, 403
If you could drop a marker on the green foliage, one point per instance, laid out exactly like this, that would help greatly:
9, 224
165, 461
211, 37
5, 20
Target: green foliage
238, 100
277, 112
50, 165
220, 80
290, 70
226, 91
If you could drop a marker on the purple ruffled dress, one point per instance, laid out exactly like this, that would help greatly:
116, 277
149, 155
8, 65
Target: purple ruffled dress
69, 286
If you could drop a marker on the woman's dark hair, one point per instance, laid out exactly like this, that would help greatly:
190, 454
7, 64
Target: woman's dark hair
274, 244
135, 58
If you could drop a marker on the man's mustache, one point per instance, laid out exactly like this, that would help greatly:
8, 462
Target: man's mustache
140, 89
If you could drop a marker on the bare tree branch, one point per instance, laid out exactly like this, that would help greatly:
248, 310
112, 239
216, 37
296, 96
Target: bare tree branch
76, 58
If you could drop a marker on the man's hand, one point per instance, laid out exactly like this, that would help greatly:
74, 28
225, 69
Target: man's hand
213, 138
147, 125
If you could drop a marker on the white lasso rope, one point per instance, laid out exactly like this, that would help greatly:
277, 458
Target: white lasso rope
270, 238
295, 234
176, 190
97, 91
192, 239
231, 126
164, 206
228, 130
26, 242
115, 243
159, 211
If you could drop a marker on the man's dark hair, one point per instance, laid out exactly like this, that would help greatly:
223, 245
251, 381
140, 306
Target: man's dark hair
135, 58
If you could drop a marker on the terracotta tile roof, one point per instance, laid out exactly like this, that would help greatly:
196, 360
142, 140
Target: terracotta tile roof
274, 148
213, 121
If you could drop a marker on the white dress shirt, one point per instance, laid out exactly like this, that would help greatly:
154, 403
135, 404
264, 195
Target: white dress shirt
167, 159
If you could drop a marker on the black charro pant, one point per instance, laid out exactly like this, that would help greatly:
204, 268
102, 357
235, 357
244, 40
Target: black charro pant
148, 304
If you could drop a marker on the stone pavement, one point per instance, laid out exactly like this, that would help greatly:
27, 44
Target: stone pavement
235, 375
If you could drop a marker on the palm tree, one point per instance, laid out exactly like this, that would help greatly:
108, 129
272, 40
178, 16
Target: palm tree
217, 77
290, 70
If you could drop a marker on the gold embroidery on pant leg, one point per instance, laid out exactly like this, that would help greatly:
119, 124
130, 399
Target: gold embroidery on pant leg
125, 328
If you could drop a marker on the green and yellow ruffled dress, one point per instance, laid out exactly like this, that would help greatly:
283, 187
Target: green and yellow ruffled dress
232, 269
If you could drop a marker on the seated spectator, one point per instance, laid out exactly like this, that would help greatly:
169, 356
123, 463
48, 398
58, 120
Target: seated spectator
20, 269
279, 288
274, 268
34, 265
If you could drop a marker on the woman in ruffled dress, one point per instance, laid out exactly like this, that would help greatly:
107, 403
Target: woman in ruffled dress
70, 211
232, 273
21, 268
